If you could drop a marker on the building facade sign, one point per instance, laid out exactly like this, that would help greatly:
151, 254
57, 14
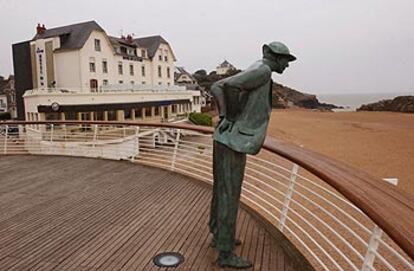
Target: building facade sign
40, 60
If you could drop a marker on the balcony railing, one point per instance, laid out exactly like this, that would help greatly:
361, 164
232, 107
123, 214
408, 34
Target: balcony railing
339, 217
109, 89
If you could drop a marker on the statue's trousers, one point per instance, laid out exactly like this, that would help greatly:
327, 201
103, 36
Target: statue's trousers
228, 172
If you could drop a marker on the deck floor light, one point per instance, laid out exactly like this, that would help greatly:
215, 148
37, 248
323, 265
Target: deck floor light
168, 259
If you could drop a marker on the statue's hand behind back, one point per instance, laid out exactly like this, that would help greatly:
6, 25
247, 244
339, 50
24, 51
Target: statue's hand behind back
224, 125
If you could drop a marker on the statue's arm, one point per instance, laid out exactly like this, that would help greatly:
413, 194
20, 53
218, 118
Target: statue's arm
250, 79
218, 94
227, 101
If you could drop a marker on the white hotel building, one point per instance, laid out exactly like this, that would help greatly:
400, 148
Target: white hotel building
78, 72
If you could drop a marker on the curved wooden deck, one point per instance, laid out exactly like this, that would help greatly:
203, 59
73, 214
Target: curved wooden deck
61, 213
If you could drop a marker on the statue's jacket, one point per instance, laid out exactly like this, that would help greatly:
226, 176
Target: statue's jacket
249, 128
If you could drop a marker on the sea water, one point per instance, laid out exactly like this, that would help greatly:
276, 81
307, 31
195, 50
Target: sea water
351, 102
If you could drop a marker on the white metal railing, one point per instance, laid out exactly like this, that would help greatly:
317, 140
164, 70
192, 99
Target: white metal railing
109, 88
327, 228
140, 87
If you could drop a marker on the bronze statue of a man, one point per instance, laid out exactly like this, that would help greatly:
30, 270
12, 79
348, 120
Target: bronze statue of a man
244, 102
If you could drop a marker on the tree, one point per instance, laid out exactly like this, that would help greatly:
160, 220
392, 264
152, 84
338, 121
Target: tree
200, 73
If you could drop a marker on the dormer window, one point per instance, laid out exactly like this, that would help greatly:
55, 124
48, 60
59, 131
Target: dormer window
97, 45
143, 54
124, 50
63, 38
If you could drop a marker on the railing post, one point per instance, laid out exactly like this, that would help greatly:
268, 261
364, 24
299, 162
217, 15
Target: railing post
288, 197
372, 247
374, 241
95, 134
51, 132
136, 143
6, 134
177, 141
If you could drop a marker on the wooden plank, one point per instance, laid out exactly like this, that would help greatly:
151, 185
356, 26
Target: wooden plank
158, 234
105, 219
102, 239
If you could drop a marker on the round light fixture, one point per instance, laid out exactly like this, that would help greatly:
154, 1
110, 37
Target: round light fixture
55, 107
168, 259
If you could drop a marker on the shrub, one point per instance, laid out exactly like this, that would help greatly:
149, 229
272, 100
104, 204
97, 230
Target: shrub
200, 119
5, 116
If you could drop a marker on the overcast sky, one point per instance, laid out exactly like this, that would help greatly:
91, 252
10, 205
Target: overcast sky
345, 46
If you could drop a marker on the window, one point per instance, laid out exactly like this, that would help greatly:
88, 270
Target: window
104, 66
105, 82
131, 69
160, 57
92, 67
143, 54
124, 50
143, 70
157, 111
138, 113
111, 115
159, 71
120, 68
148, 112
132, 82
70, 116
166, 58
168, 72
143, 82
120, 82
97, 45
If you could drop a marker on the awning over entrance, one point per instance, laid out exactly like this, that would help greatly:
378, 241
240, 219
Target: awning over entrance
105, 107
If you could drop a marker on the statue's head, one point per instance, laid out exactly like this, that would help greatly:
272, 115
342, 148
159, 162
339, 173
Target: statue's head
278, 56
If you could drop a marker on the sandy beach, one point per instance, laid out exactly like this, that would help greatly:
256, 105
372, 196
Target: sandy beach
380, 143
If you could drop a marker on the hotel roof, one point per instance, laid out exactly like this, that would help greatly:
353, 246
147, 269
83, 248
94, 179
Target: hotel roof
75, 35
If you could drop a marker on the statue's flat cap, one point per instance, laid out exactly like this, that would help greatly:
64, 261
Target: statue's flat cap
279, 48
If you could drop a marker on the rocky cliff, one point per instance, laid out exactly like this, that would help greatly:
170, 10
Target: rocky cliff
398, 104
285, 97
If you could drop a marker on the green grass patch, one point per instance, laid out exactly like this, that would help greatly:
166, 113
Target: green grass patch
201, 119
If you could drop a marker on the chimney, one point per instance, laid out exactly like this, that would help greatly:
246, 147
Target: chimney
129, 39
40, 29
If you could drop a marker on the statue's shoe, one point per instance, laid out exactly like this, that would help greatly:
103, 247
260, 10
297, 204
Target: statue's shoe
233, 261
213, 243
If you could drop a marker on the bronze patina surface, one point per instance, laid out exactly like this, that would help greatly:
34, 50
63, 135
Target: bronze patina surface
244, 102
